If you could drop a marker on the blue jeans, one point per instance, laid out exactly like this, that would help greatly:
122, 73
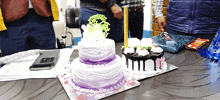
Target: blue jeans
187, 35
116, 25
29, 32
136, 23
182, 38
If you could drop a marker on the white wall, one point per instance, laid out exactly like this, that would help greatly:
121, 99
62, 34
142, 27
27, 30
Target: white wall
147, 15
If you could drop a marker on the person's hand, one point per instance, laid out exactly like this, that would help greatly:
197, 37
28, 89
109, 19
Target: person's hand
161, 23
103, 1
117, 11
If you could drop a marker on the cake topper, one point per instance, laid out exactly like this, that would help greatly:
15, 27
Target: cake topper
97, 28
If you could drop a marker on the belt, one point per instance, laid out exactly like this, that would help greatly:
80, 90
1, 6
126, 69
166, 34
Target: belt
136, 8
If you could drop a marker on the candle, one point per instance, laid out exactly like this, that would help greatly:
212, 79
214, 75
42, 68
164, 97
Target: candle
125, 26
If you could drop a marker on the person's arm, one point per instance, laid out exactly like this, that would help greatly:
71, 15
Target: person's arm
109, 3
157, 5
117, 11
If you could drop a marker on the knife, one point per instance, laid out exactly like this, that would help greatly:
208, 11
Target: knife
73, 55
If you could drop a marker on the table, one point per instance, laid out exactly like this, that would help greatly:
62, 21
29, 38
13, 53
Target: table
196, 78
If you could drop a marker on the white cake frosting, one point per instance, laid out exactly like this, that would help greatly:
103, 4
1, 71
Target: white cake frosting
146, 42
97, 78
97, 72
142, 52
97, 69
147, 58
156, 49
133, 42
96, 51
128, 50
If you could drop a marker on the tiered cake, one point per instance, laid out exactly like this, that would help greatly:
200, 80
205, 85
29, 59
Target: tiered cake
143, 56
98, 68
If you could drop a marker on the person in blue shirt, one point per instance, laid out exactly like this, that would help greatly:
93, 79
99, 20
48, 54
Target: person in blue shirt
191, 18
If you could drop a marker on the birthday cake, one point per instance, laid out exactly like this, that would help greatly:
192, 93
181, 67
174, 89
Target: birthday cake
143, 57
98, 68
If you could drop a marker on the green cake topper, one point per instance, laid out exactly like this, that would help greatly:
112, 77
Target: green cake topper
97, 28
93, 20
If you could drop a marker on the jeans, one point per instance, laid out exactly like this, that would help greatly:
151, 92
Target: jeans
187, 35
181, 39
136, 23
29, 32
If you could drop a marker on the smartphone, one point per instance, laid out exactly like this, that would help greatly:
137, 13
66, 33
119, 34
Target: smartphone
167, 38
45, 61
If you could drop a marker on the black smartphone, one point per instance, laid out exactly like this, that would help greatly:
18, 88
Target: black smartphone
45, 61
165, 36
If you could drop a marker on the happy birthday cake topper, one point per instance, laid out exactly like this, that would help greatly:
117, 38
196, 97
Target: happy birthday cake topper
97, 28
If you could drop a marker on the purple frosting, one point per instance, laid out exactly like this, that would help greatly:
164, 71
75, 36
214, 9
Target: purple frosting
97, 60
101, 84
